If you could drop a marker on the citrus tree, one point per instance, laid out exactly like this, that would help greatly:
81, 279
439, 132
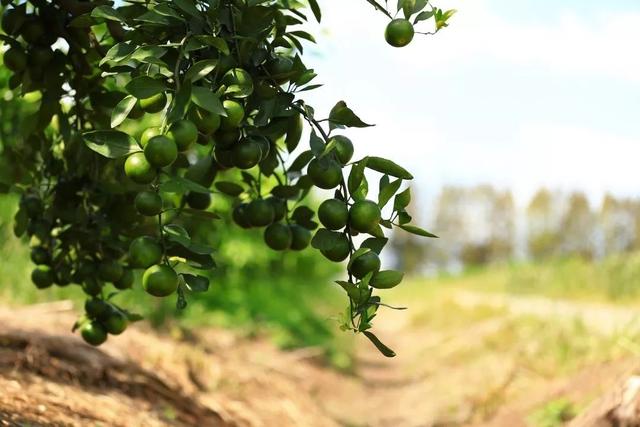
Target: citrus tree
222, 83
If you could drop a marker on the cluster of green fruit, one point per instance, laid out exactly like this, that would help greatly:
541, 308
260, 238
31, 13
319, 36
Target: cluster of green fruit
222, 80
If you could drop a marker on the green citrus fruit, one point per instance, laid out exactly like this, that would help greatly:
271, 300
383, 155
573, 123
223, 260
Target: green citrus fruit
246, 155
344, 148
12, 19
325, 173
96, 308
227, 138
63, 275
300, 237
125, 281
205, 121
42, 276
116, 323
184, 133
294, 132
40, 55
32, 205
223, 157
32, 31
136, 112
138, 169
153, 104
238, 82
399, 33
203, 171
263, 143
279, 208
92, 286
339, 251
148, 134
161, 151
93, 333
260, 213
15, 59
200, 201
364, 264
280, 69
110, 271
160, 280
235, 114
264, 89
40, 255
364, 216
333, 214
144, 251
148, 203
240, 215
278, 236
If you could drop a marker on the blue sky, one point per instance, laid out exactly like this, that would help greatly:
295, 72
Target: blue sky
518, 94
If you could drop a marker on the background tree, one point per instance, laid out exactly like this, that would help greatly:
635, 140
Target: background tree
543, 225
578, 225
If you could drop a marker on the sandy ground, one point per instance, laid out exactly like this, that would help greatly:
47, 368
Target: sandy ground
441, 376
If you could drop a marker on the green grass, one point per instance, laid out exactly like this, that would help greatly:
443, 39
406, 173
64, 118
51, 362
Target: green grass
614, 279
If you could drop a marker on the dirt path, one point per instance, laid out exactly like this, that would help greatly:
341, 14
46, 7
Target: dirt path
464, 358
448, 376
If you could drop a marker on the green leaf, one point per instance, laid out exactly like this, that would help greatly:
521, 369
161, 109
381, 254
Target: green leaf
206, 215
177, 234
122, 110
376, 244
315, 8
207, 100
178, 184
149, 51
188, 7
387, 166
285, 191
111, 143
316, 143
196, 283
301, 161
417, 230
341, 115
143, 87
117, 53
386, 351
216, 42
230, 188
386, 279
407, 7
423, 16
180, 105
325, 239
20, 223
387, 190
166, 10
402, 200
356, 175
107, 13
200, 69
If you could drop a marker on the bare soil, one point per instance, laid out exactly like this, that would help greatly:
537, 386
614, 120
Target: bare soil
211, 377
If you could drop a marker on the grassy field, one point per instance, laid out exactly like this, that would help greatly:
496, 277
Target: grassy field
614, 279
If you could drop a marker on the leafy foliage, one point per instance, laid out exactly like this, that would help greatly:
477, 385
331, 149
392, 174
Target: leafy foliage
222, 81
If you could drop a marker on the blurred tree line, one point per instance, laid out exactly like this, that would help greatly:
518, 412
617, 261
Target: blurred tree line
481, 225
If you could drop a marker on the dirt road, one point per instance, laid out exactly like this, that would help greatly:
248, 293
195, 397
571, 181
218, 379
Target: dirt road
463, 359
